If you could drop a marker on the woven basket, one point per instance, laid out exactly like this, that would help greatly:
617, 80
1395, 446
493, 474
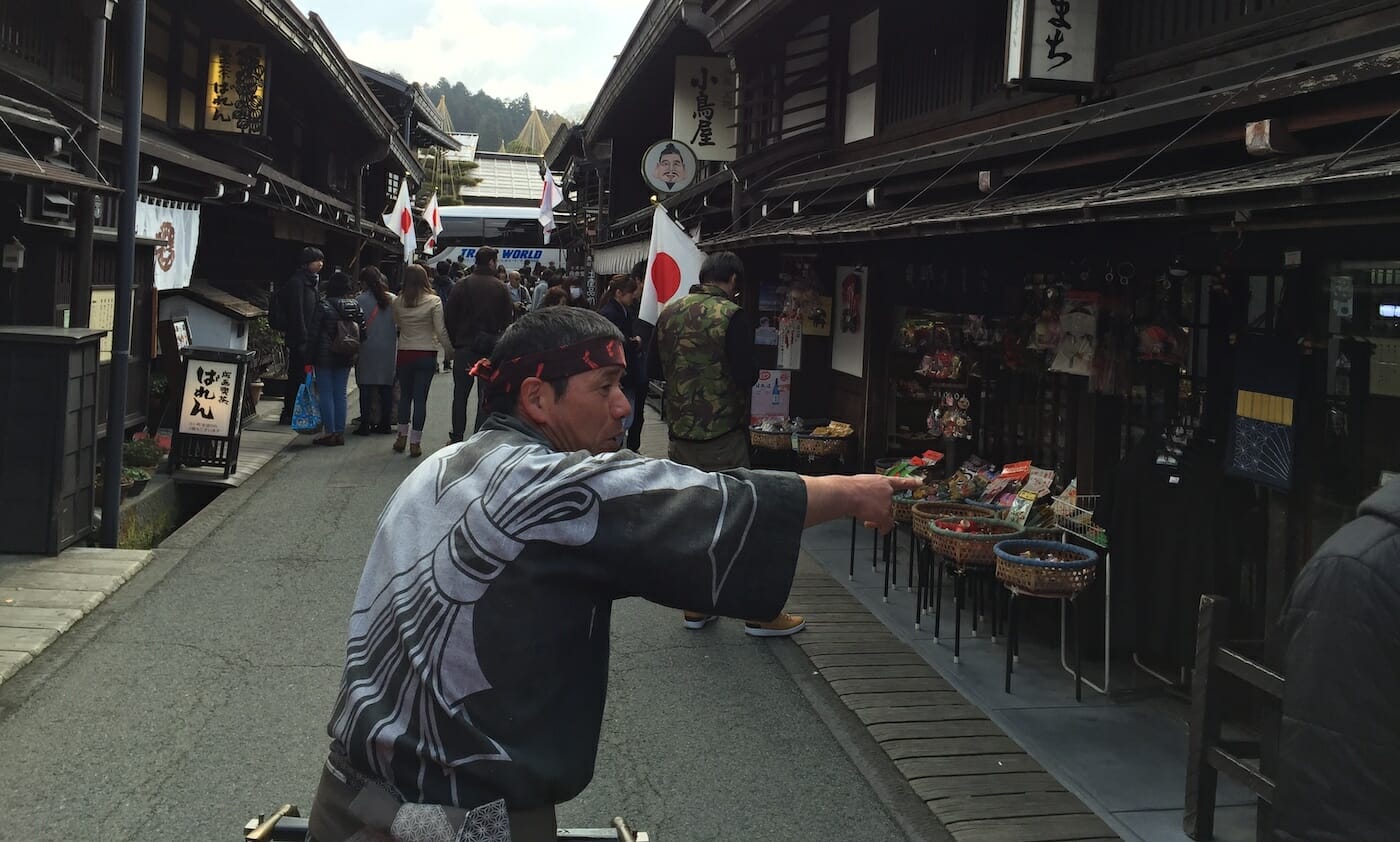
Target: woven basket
969, 549
821, 445
770, 441
926, 512
1033, 577
903, 510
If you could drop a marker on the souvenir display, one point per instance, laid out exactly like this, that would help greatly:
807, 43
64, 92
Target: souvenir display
949, 416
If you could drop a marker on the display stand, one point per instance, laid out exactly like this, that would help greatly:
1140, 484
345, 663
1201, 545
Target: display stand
1078, 520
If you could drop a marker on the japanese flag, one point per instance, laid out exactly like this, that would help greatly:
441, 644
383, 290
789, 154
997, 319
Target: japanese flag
549, 200
434, 220
400, 221
673, 261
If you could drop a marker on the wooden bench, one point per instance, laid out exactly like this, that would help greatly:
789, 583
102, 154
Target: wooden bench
1247, 762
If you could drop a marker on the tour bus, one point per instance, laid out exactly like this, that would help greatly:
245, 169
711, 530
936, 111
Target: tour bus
513, 231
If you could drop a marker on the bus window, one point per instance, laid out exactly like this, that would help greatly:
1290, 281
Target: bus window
512, 232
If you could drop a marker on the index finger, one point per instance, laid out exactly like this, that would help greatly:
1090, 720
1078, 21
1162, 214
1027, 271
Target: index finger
903, 483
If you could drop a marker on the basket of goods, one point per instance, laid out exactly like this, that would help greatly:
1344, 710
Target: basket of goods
1045, 568
970, 541
924, 513
825, 441
772, 434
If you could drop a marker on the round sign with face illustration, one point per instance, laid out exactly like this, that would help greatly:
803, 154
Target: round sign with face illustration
669, 166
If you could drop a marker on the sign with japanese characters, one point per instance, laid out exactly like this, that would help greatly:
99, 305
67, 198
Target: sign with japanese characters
207, 403
236, 98
1052, 43
703, 111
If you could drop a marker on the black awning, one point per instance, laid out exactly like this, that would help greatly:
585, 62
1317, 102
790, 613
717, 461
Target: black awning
24, 169
1308, 181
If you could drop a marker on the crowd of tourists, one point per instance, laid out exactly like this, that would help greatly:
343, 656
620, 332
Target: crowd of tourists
444, 316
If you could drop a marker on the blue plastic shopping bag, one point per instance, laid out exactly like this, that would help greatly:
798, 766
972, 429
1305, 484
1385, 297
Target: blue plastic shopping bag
306, 414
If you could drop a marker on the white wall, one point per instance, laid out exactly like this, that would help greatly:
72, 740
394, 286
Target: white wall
208, 327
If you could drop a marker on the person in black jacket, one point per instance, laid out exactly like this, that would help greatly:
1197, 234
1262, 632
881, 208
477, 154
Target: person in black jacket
294, 305
336, 315
1339, 745
616, 306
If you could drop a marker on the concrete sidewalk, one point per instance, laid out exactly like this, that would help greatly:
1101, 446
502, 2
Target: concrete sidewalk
41, 598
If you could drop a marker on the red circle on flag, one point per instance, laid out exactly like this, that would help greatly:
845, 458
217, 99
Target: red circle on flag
405, 221
665, 276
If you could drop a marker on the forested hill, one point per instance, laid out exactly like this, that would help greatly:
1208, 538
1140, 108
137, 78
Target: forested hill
496, 120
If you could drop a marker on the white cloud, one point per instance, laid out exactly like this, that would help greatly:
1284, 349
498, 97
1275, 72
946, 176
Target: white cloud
558, 51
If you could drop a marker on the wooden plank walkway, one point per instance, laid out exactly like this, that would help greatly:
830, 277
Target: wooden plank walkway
974, 778
261, 443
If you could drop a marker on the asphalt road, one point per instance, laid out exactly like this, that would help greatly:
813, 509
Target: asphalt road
197, 695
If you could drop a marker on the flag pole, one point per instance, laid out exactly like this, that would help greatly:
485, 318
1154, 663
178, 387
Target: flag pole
667, 211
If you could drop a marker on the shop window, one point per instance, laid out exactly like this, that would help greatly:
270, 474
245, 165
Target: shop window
154, 96
1134, 28
189, 108
956, 66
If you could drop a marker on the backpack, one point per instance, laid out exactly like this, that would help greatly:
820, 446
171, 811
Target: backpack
346, 342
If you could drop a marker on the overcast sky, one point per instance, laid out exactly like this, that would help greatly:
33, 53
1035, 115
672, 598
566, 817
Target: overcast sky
557, 51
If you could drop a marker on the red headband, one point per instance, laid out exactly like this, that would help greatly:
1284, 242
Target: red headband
554, 364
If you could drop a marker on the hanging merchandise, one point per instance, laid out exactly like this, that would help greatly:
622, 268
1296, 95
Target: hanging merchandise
942, 361
1113, 355
1044, 300
1161, 339
1262, 433
950, 416
790, 342
1079, 324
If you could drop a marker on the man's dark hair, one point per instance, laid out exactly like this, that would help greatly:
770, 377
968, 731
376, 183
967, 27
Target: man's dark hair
639, 270
339, 285
310, 255
543, 330
719, 267
444, 268
485, 255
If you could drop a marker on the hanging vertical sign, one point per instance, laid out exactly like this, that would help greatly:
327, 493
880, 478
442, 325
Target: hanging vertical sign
703, 110
236, 98
1052, 44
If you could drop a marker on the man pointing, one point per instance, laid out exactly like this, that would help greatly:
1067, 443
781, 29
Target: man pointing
477, 663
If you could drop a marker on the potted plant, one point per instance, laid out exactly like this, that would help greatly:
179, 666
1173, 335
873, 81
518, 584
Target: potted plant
141, 453
134, 480
269, 364
127, 483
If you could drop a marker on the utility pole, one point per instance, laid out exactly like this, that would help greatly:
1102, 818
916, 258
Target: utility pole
126, 269
99, 15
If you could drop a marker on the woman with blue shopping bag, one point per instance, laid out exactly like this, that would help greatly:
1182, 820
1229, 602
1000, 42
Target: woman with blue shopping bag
337, 328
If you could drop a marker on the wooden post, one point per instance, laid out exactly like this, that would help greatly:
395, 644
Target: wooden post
1212, 627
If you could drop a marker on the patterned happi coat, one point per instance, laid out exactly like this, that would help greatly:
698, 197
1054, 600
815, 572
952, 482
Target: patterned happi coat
477, 660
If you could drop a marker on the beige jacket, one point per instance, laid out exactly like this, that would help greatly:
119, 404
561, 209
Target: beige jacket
421, 328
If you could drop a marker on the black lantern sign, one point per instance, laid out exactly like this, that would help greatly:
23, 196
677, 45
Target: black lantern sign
211, 409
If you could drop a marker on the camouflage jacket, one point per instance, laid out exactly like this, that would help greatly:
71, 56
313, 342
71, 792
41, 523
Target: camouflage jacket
703, 401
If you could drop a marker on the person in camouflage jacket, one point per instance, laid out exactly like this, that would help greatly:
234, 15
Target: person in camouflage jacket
706, 345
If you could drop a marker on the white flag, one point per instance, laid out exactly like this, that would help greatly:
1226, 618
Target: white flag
673, 262
434, 220
400, 221
549, 200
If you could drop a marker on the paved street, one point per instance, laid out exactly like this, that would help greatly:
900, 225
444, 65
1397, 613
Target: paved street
197, 695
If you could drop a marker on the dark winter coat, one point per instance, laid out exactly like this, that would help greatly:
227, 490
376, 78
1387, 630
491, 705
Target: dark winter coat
328, 312
614, 312
1339, 747
297, 298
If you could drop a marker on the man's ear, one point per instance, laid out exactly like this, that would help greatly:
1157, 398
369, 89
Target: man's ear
536, 398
